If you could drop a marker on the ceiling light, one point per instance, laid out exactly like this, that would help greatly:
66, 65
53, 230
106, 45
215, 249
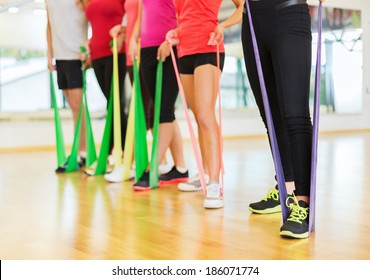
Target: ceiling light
13, 10
39, 12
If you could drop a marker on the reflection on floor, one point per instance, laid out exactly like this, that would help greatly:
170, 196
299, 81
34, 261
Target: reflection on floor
73, 216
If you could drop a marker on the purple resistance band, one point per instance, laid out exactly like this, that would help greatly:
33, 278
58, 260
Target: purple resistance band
271, 129
316, 114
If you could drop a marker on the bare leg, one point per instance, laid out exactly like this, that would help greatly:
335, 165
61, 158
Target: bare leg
290, 187
206, 95
201, 93
176, 146
188, 85
165, 137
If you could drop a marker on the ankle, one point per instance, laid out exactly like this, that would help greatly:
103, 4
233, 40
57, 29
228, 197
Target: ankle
82, 154
303, 198
210, 182
181, 169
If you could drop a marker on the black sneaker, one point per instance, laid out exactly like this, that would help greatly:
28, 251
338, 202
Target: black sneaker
81, 161
268, 205
143, 183
63, 167
173, 176
296, 226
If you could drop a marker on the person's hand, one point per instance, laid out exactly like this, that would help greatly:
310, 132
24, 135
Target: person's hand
85, 55
51, 65
164, 51
322, 1
217, 35
86, 63
133, 49
85, 51
172, 37
120, 42
118, 31
115, 30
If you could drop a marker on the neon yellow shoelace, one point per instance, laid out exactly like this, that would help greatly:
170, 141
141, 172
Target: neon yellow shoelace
297, 213
273, 194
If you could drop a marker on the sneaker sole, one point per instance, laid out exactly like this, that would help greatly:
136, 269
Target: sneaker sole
273, 210
67, 171
190, 189
110, 180
289, 234
213, 203
174, 181
89, 172
138, 188
60, 171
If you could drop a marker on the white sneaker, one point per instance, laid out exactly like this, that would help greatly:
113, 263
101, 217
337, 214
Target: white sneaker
116, 176
214, 198
111, 160
193, 185
91, 169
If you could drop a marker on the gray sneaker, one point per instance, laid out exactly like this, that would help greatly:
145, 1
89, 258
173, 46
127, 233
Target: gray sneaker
193, 185
214, 198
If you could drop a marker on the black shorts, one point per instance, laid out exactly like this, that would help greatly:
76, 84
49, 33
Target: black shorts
188, 63
69, 74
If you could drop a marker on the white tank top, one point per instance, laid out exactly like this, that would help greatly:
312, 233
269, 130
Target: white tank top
68, 28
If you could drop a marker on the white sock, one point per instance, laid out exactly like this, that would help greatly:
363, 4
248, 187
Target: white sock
83, 154
181, 169
210, 182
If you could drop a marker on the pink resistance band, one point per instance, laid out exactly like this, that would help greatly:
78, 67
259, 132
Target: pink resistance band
213, 42
194, 143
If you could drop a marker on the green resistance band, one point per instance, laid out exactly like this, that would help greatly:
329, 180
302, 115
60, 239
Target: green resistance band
104, 148
154, 176
60, 149
141, 146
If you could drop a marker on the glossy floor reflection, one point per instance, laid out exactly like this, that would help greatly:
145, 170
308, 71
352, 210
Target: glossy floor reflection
73, 216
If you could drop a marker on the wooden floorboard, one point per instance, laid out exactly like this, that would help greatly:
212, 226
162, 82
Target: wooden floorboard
73, 216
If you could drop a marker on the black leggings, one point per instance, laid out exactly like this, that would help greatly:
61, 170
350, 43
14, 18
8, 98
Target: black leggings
103, 68
284, 42
148, 64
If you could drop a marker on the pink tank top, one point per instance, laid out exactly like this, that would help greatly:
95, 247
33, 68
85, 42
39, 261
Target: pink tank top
158, 17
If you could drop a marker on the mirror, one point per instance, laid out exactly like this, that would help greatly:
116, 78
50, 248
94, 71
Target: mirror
23, 72
341, 62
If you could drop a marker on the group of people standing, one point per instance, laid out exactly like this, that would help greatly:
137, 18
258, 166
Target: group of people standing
192, 30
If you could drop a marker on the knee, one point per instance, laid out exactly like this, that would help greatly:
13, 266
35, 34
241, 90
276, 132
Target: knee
299, 124
205, 121
74, 103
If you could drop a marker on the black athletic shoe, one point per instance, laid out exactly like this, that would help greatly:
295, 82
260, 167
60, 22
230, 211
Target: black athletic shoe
173, 176
81, 161
143, 183
63, 167
296, 226
268, 205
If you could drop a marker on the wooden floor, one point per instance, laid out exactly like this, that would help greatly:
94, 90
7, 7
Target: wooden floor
72, 216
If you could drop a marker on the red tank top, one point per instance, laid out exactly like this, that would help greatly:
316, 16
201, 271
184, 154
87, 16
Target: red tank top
103, 15
196, 20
